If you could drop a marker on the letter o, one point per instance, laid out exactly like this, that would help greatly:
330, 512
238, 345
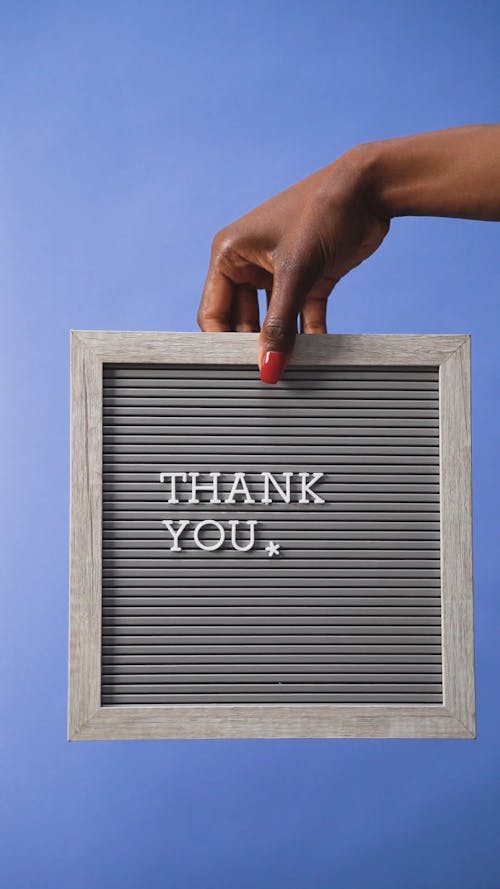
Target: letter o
212, 546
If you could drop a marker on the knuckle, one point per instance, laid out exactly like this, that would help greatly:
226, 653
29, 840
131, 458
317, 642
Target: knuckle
200, 317
275, 331
223, 244
205, 318
314, 327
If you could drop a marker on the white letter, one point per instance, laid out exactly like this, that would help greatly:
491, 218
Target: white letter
306, 487
217, 544
211, 486
175, 534
242, 549
239, 482
285, 494
173, 476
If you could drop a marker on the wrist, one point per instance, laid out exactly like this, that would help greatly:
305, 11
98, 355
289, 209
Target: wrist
402, 177
351, 179
361, 175
451, 172
380, 182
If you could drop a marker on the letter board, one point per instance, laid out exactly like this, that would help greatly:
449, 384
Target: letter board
251, 560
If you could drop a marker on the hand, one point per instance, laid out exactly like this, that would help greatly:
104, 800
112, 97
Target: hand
296, 246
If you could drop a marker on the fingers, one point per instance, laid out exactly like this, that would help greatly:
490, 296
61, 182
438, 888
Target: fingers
313, 316
215, 309
227, 306
245, 313
292, 281
229, 299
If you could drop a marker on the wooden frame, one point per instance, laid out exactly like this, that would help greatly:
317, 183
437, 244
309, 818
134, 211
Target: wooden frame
88, 720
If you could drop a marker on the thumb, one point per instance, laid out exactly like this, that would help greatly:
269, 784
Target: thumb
276, 340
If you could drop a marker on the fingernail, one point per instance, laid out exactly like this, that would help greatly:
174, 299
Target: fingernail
272, 367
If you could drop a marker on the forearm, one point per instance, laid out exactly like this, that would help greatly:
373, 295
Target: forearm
453, 172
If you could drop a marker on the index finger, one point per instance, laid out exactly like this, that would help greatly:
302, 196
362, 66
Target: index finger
214, 311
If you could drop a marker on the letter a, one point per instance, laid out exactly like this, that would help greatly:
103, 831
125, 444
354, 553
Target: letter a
239, 482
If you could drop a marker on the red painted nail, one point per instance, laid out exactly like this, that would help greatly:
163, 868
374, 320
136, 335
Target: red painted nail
272, 367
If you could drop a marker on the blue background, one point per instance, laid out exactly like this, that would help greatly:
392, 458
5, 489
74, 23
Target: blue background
131, 132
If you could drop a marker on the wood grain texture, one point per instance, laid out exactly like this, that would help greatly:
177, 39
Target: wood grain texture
272, 721
87, 720
84, 677
456, 537
240, 348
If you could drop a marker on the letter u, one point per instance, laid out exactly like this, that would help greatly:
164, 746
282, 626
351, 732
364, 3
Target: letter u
251, 542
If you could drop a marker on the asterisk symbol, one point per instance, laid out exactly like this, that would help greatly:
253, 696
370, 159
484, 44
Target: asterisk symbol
272, 548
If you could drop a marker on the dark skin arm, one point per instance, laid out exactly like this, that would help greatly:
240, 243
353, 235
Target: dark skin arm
300, 243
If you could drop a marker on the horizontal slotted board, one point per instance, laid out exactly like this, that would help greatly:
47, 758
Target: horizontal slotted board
349, 612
